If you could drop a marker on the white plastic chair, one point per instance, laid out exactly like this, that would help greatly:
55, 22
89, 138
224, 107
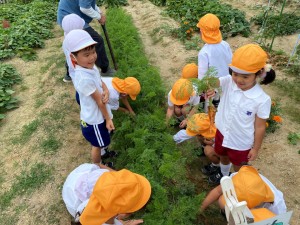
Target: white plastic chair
237, 213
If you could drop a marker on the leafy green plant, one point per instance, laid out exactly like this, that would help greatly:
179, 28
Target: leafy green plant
293, 138
30, 25
8, 77
288, 24
188, 13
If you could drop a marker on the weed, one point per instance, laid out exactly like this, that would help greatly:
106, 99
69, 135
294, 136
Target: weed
39, 102
50, 145
293, 138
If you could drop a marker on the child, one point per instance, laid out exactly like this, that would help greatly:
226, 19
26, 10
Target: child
95, 115
216, 52
70, 22
90, 198
198, 125
243, 110
252, 187
182, 101
120, 89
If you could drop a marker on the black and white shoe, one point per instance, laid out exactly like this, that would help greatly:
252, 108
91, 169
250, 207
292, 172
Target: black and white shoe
210, 169
215, 178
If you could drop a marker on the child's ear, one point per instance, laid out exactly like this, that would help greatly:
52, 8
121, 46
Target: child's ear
73, 59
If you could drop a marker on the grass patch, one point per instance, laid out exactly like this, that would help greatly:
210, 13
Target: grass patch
50, 145
39, 102
27, 132
26, 183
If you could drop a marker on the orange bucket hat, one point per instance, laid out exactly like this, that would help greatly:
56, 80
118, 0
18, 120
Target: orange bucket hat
181, 92
199, 124
190, 71
248, 59
250, 187
116, 192
129, 85
209, 26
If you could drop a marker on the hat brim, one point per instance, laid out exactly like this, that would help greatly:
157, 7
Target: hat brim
190, 132
237, 70
133, 97
86, 44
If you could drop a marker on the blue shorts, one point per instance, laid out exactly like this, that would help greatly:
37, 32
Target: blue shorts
97, 135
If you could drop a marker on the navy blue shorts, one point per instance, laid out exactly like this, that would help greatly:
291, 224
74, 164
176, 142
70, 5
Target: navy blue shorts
97, 135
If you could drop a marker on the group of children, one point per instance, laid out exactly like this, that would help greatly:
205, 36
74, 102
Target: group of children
234, 136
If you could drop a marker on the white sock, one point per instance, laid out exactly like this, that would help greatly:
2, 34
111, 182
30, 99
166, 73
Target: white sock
103, 151
225, 169
216, 164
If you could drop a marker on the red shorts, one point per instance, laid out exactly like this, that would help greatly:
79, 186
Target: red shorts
236, 157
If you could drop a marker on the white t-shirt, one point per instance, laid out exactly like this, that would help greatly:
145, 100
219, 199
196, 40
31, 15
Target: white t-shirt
194, 100
278, 206
86, 82
79, 186
214, 55
114, 95
236, 113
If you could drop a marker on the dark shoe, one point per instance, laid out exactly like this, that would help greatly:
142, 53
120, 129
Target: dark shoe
67, 78
215, 178
109, 73
209, 169
108, 164
216, 103
109, 154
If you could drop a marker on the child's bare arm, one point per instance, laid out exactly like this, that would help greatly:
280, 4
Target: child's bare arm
170, 112
97, 96
259, 133
127, 105
105, 94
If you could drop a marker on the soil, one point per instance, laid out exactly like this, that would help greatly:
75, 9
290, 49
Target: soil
278, 160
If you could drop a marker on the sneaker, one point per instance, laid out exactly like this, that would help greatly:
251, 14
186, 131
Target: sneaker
109, 73
215, 178
209, 169
216, 103
109, 154
67, 79
108, 164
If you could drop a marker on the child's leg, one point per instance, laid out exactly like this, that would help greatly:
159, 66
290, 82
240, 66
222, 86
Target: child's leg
210, 153
96, 154
225, 165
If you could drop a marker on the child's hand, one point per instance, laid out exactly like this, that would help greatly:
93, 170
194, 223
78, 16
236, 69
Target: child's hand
183, 123
208, 141
252, 155
132, 222
105, 97
209, 94
110, 125
102, 19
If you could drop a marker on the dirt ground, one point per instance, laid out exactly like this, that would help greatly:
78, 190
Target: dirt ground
278, 161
